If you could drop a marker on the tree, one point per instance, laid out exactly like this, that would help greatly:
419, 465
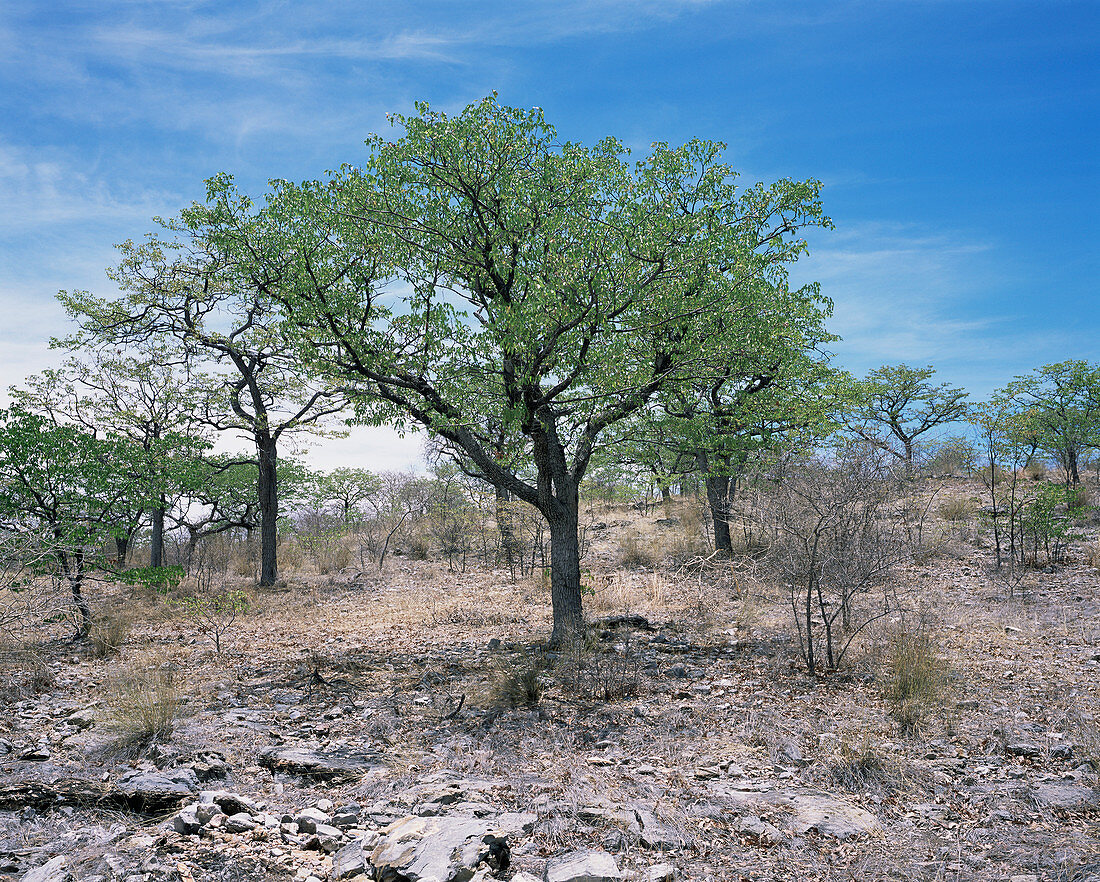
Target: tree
1063, 401
60, 480
902, 401
146, 395
550, 289
209, 287
348, 488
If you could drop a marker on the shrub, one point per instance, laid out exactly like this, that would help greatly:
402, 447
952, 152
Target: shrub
215, 614
144, 704
589, 673
857, 767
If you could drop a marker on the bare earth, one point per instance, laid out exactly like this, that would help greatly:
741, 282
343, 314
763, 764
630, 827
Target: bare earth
701, 743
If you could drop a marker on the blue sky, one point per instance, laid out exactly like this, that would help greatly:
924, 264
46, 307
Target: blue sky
956, 139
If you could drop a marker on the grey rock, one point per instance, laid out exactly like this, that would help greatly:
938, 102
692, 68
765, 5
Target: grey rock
654, 834
81, 719
241, 822
438, 849
582, 866
1059, 795
760, 831
805, 810
1023, 748
661, 873
340, 764
158, 791
56, 870
229, 802
187, 821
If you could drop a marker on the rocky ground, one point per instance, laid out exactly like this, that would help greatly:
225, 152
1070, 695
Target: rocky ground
408, 726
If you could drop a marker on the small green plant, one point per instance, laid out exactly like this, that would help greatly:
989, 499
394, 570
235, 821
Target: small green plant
914, 679
215, 614
144, 704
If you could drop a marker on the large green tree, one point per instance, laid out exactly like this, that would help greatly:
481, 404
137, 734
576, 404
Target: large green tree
544, 287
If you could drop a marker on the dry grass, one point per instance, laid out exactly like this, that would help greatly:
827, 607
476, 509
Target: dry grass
958, 509
636, 551
144, 701
109, 632
914, 678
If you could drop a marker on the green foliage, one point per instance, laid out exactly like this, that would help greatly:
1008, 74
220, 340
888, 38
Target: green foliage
895, 405
157, 580
1061, 404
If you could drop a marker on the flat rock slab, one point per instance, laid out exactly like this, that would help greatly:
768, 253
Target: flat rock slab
1057, 795
56, 870
341, 764
436, 849
582, 866
804, 811
155, 791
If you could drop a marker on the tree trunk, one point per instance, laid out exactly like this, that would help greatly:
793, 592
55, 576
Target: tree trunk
269, 509
719, 491
506, 529
666, 494
156, 542
122, 550
565, 571
74, 572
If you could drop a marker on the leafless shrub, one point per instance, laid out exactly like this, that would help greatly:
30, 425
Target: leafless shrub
588, 672
835, 546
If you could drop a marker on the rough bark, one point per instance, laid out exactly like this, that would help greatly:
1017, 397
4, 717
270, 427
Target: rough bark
156, 541
565, 573
269, 509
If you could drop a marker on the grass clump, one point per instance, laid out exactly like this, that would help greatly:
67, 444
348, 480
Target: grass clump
108, 633
857, 767
915, 678
958, 510
635, 551
144, 704
517, 684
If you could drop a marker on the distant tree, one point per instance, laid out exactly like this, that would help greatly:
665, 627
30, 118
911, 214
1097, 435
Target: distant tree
1063, 404
551, 289
900, 403
349, 488
146, 395
209, 288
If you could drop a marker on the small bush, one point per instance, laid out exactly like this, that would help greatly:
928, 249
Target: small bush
144, 704
108, 633
216, 614
23, 672
915, 677
1092, 555
591, 674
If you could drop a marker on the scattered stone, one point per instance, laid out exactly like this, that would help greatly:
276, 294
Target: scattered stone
661, 873
582, 866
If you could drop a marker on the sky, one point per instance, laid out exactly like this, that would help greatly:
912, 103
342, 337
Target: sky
956, 141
